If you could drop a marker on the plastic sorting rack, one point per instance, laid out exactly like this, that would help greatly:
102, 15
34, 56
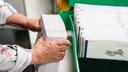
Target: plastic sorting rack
67, 18
91, 65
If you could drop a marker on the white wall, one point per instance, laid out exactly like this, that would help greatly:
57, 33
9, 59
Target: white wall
34, 8
18, 4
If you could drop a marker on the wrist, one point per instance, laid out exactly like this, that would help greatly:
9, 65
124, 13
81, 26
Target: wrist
33, 24
34, 58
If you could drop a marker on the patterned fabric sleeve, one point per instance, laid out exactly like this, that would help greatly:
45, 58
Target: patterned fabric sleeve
14, 58
6, 10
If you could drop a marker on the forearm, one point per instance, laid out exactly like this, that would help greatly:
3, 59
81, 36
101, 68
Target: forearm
8, 15
17, 20
20, 20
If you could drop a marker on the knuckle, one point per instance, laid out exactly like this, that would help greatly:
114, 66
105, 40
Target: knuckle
62, 57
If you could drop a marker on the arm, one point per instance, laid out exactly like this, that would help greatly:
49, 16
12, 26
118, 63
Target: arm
14, 58
42, 52
49, 51
8, 15
20, 20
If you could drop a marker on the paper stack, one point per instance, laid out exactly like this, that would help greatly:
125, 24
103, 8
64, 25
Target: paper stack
102, 31
52, 28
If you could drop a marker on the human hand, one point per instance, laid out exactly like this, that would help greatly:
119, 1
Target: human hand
33, 24
49, 51
20, 20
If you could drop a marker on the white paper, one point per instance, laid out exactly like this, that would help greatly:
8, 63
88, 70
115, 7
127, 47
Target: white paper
52, 28
103, 22
100, 23
113, 50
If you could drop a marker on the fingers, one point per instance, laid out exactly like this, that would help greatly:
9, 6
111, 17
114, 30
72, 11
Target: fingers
62, 48
40, 39
62, 42
59, 42
60, 45
38, 25
61, 55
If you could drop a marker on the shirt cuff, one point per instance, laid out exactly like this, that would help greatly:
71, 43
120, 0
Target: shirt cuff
23, 59
6, 10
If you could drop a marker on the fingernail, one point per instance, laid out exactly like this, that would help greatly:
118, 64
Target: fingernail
69, 42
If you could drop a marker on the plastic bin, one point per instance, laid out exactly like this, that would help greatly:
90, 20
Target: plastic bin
100, 65
67, 18
90, 65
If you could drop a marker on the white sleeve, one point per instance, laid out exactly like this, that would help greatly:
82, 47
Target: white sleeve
6, 10
14, 58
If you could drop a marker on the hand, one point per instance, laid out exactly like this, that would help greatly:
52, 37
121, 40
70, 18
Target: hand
33, 24
49, 51
20, 20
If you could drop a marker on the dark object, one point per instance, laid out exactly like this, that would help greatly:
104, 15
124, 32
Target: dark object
100, 65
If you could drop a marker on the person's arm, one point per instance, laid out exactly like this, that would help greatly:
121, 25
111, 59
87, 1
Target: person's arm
9, 15
14, 58
20, 20
49, 51
42, 52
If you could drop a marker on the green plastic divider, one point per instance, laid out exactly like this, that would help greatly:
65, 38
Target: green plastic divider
72, 2
100, 2
67, 18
